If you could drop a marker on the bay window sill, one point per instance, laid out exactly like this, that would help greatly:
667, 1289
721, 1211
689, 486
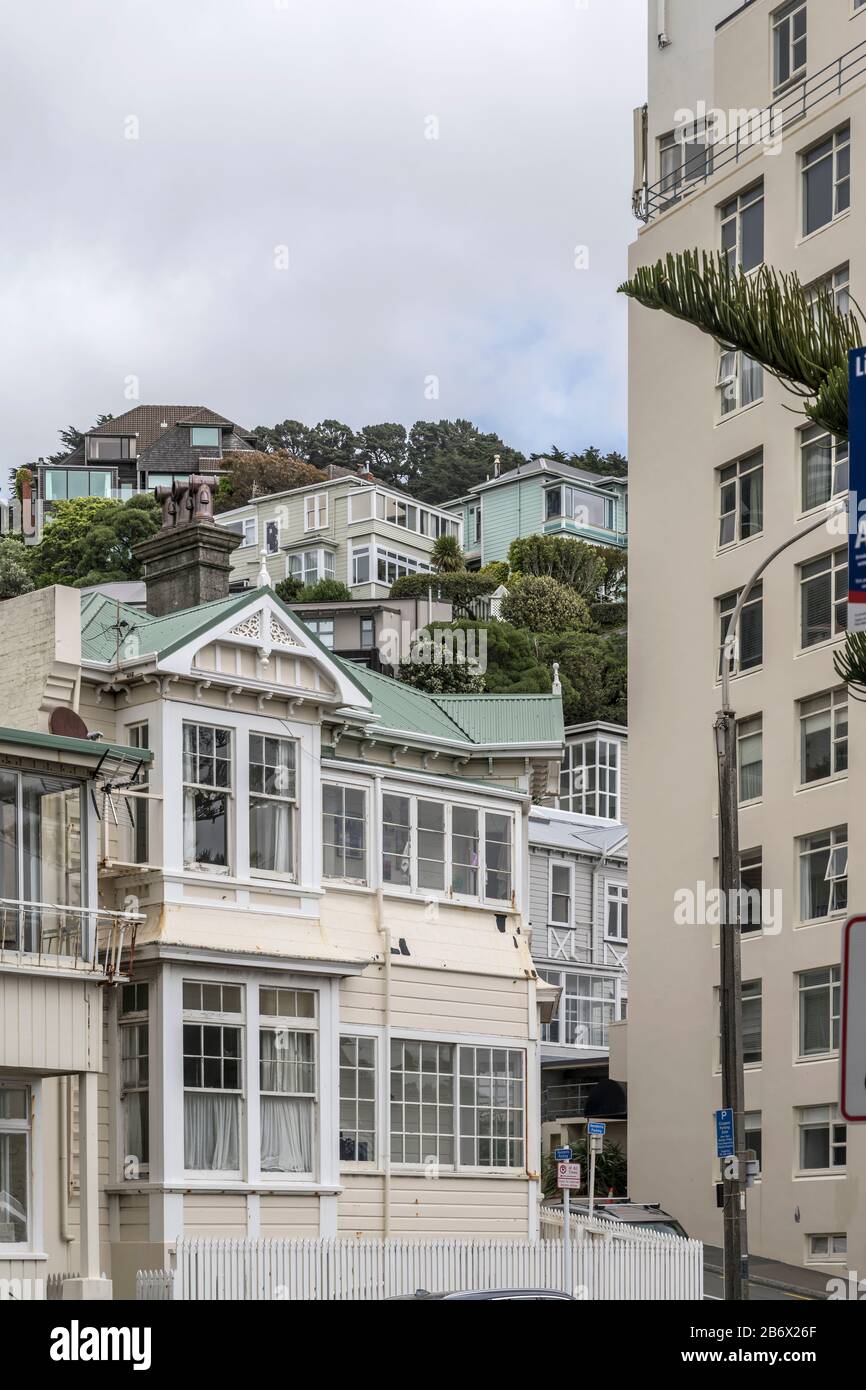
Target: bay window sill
232, 1186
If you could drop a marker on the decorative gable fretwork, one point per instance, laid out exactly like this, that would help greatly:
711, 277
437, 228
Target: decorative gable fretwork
257, 624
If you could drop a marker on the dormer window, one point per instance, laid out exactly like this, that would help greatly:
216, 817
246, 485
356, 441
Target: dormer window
204, 437
111, 447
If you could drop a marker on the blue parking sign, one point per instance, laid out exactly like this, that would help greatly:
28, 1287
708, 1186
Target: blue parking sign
857, 490
725, 1145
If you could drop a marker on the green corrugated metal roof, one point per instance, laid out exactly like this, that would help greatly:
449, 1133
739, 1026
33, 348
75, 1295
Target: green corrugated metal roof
91, 748
402, 707
506, 718
99, 617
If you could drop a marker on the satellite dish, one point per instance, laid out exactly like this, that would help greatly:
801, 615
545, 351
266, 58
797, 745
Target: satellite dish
67, 723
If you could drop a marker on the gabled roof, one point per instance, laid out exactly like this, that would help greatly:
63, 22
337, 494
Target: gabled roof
149, 421
566, 830
545, 468
100, 616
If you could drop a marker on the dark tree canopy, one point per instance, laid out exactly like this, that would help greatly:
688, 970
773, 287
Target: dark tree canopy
90, 541
251, 474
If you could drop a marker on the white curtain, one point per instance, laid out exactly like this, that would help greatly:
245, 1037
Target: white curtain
211, 1132
287, 1135
271, 836
189, 828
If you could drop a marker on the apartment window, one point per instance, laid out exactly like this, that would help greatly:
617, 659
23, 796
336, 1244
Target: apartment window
436, 847
752, 1121
357, 1100
204, 437
823, 736
823, 467
749, 645
361, 565
580, 506
311, 566
751, 885
391, 566
287, 1079
207, 779
828, 1249
138, 736
823, 598
750, 758
834, 289
824, 874
368, 634
61, 484
740, 381
789, 44
422, 1101
684, 158
820, 994
323, 628
246, 528
316, 511
827, 180
111, 448
822, 1139
212, 1076
616, 912
14, 1163
589, 778
561, 894
491, 1107
741, 499
134, 1078
752, 1018
742, 222
273, 804
587, 1007
272, 537
344, 833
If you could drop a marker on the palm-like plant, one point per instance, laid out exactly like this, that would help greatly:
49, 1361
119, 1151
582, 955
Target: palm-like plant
802, 340
447, 557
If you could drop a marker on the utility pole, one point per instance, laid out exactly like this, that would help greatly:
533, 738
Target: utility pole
736, 1242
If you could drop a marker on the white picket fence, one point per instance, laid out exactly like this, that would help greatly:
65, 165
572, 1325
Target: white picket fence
620, 1268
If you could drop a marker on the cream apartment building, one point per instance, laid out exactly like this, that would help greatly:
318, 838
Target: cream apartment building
717, 450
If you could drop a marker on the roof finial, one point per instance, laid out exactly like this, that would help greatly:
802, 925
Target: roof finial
557, 683
264, 580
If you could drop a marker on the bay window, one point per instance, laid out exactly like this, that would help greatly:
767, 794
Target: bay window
589, 778
587, 1007
308, 567
440, 847
457, 1105
287, 1079
491, 1107
207, 795
344, 833
273, 805
464, 851
138, 736
431, 845
357, 1100
212, 1076
14, 1163
422, 1102
41, 829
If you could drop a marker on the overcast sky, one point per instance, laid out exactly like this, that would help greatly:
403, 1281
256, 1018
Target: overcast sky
414, 263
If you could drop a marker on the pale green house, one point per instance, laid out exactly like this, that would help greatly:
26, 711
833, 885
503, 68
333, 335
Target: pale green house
541, 498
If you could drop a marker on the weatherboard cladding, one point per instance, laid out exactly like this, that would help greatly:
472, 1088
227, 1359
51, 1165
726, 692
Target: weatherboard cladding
479, 720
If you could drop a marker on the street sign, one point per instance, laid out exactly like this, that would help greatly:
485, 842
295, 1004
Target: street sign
725, 1145
567, 1175
562, 1155
853, 1050
596, 1127
857, 490
596, 1142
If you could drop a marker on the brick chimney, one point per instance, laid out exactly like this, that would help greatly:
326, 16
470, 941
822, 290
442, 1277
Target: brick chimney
187, 562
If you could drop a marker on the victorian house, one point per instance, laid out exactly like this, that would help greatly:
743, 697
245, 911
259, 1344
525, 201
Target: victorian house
331, 1024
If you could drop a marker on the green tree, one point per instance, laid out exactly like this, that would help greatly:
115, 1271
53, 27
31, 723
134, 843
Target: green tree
611, 1170
460, 588
253, 474
289, 437
446, 556
457, 677
445, 458
382, 452
333, 444
90, 541
289, 589
591, 460
326, 591
543, 604
14, 572
802, 341
567, 560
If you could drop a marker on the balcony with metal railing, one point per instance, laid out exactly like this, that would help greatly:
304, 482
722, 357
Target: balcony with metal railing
566, 1101
89, 941
704, 158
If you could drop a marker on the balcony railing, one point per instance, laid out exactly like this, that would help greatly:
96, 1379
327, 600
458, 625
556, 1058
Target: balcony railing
564, 1102
90, 940
758, 127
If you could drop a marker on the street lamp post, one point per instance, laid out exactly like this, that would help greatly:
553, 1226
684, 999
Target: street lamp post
736, 1245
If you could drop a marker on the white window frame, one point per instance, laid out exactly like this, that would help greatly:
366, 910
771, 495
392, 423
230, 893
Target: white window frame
205, 444
836, 285
730, 379
784, 40
683, 161
343, 786
316, 511
834, 564
246, 527
731, 213
601, 1002
196, 866
833, 987
840, 140
324, 568
746, 467
291, 800
815, 436
751, 728
616, 892
833, 704
836, 1250
577, 800
725, 609
361, 552
447, 894
221, 1019
832, 1121
129, 1021
275, 522
355, 1068
568, 865
8, 1127
310, 1027
836, 871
